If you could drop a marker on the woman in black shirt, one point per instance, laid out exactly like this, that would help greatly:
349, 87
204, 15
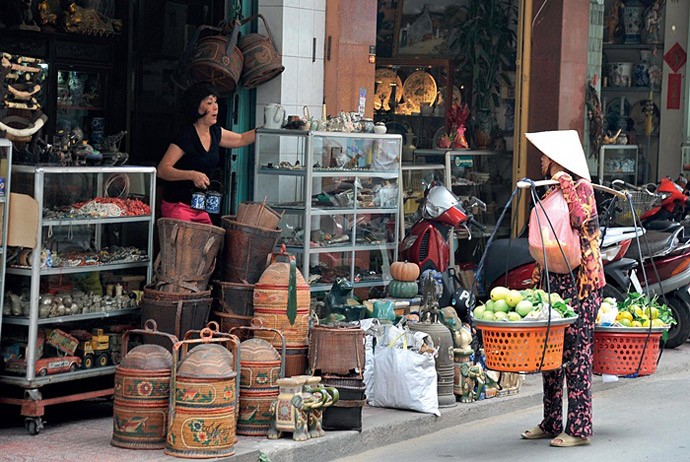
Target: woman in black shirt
190, 161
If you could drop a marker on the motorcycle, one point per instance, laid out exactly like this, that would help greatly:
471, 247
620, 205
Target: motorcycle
440, 211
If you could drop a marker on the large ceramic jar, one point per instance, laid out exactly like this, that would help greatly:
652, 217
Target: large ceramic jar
632, 21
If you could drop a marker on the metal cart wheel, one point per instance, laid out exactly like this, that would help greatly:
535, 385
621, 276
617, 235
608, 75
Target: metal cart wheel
33, 425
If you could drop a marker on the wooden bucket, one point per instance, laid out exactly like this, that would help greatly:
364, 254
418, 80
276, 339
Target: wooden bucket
261, 58
216, 59
296, 360
187, 256
246, 250
204, 401
235, 298
176, 317
142, 393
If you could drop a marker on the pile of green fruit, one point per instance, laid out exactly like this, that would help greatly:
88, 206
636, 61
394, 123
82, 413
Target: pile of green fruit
517, 305
637, 310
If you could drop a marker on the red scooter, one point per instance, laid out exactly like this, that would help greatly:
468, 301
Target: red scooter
427, 241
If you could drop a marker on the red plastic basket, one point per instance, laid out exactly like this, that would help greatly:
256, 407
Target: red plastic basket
617, 351
519, 346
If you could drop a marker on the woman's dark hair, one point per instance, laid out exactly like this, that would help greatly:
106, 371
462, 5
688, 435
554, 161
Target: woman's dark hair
192, 97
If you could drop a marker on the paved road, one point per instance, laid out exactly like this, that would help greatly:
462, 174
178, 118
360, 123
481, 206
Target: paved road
646, 419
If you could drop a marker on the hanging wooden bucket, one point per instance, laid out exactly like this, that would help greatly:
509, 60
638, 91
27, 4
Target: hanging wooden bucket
142, 392
187, 256
204, 401
272, 301
246, 249
176, 317
260, 368
216, 59
261, 58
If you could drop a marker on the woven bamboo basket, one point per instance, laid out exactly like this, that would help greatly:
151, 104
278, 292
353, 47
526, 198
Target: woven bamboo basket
188, 255
234, 297
246, 250
258, 214
142, 393
271, 300
336, 350
204, 402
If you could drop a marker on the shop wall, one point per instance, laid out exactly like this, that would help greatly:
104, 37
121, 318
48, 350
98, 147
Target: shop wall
298, 28
671, 122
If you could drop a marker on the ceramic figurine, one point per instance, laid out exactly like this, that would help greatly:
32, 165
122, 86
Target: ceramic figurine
613, 21
473, 380
286, 417
652, 23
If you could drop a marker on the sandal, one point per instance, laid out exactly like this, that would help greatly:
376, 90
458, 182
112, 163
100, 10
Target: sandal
535, 433
565, 441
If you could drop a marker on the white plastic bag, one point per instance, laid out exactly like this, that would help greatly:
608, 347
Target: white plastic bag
404, 379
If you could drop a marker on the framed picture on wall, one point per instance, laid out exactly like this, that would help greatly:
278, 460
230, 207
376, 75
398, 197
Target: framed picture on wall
425, 28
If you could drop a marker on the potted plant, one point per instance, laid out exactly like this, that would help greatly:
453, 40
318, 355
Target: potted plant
484, 46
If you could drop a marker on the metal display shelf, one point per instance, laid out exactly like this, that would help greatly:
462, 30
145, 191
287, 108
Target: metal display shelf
37, 382
24, 321
26, 271
53, 188
5, 154
375, 173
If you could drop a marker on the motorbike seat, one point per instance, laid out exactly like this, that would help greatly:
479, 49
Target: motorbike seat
663, 225
515, 250
657, 241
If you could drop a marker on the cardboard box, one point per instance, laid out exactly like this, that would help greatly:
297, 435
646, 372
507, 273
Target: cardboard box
23, 221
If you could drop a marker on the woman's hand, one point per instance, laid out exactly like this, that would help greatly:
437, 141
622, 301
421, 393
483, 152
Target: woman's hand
200, 179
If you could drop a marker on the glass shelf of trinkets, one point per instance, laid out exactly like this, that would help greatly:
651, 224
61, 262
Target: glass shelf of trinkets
109, 246
340, 197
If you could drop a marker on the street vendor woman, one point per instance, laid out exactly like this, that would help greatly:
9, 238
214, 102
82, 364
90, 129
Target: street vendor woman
563, 160
192, 157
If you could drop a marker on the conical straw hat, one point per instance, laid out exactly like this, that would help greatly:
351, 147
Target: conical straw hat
564, 148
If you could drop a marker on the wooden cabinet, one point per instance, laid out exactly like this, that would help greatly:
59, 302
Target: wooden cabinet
86, 78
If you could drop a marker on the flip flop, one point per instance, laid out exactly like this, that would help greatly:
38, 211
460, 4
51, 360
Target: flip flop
535, 433
565, 441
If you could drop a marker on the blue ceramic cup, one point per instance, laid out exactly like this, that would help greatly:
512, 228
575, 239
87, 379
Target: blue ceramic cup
213, 201
199, 200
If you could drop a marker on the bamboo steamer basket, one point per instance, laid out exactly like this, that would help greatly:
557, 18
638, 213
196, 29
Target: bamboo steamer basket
281, 289
142, 392
260, 368
204, 401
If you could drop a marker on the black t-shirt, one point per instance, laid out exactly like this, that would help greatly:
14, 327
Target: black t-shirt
195, 157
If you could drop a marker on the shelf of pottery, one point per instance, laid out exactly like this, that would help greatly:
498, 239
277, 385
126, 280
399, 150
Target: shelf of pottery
631, 74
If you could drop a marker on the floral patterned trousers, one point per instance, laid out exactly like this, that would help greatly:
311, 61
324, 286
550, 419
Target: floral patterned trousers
577, 366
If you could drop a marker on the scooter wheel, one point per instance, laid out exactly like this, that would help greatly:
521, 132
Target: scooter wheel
679, 332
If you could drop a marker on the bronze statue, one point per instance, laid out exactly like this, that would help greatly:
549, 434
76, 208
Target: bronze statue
89, 21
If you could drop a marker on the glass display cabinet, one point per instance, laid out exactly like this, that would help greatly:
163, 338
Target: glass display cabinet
618, 161
339, 194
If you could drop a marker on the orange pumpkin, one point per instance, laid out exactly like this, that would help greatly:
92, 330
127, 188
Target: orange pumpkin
404, 271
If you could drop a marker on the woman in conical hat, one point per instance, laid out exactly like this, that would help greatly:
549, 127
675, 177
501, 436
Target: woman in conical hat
563, 159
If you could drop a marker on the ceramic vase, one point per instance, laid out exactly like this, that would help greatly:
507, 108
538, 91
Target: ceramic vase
620, 74
484, 125
641, 69
632, 21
